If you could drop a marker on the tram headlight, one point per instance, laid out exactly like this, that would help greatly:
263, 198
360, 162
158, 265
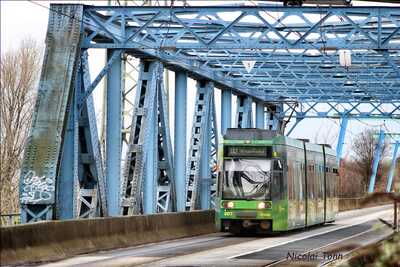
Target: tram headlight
261, 205
229, 205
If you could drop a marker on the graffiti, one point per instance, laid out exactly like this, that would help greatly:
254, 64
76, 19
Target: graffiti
36, 189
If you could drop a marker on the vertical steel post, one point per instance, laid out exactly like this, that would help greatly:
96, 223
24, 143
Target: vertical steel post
377, 157
113, 136
259, 115
244, 117
149, 190
341, 138
180, 138
392, 167
66, 183
205, 175
226, 110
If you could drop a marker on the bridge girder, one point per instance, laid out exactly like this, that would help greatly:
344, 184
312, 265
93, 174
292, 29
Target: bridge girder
295, 50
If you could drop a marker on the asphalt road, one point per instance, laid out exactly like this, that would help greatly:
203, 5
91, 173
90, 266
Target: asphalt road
315, 246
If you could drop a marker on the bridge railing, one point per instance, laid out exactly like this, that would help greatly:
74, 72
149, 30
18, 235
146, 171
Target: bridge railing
10, 219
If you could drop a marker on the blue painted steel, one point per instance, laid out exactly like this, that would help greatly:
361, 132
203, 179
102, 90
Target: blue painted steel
339, 109
226, 110
198, 179
90, 186
151, 164
221, 38
341, 138
166, 184
115, 55
244, 117
141, 142
113, 137
213, 153
180, 138
392, 167
295, 64
148, 185
377, 157
296, 61
66, 181
260, 115
205, 173
42, 152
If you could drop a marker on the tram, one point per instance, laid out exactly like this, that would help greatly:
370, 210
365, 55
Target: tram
273, 183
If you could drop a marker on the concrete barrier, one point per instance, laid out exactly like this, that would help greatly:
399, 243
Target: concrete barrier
358, 203
53, 240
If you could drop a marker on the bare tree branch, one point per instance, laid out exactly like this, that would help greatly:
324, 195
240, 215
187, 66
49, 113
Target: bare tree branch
364, 149
19, 76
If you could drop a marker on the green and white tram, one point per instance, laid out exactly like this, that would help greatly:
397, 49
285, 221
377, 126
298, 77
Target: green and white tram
273, 183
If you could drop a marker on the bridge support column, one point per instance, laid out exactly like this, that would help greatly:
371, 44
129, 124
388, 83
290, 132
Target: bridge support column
392, 167
377, 157
151, 164
243, 112
147, 184
226, 110
113, 136
201, 172
66, 180
205, 172
260, 115
180, 138
341, 138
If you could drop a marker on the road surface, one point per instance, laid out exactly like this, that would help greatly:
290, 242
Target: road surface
315, 246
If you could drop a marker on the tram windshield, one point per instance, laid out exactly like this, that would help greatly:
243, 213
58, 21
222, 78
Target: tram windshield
247, 179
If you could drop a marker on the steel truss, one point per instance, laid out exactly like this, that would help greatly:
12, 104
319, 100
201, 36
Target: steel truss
295, 49
202, 158
147, 178
62, 173
337, 110
244, 117
90, 183
284, 59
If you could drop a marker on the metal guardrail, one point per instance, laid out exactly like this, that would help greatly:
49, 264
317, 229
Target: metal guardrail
10, 219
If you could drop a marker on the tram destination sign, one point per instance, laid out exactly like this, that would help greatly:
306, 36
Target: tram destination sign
248, 151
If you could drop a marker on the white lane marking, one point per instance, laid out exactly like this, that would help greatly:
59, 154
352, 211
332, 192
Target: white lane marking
312, 235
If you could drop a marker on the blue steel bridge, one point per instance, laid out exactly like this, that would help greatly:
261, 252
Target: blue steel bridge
292, 62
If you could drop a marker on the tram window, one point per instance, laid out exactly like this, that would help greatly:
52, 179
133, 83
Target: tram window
301, 195
277, 185
321, 184
335, 170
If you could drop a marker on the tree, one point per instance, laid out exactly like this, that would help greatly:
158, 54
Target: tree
364, 146
19, 75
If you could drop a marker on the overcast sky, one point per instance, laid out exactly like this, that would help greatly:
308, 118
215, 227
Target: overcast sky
22, 19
